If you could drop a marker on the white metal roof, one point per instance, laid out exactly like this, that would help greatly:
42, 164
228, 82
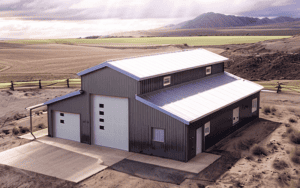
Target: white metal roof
191, 101
141, 68
75, 93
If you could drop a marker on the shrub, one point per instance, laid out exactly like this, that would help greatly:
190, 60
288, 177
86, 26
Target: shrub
295, 159
290, 130
5, 131
16, 130
295, 137
259, 150
246, 144
284, 178
41, 126
250, 158
297, 151
292, 120
266, 109
273, 109
280, 164
24, 129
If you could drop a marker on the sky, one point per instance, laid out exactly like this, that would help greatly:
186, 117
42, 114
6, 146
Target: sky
39, 19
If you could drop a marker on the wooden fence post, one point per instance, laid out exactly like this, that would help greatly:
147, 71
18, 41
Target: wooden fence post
40, 84
68, 83
12, 85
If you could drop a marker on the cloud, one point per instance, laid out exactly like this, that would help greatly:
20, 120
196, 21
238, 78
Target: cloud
134, 9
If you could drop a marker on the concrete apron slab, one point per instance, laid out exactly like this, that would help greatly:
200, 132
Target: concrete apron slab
195, 165
52, 161
111, 156
37, 134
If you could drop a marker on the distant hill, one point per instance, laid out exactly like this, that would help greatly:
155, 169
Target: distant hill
215, 20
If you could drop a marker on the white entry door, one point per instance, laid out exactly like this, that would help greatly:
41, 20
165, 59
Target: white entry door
110, 122
236, 115
66, 126
199, 141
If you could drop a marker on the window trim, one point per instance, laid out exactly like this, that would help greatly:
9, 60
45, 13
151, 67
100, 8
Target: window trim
62, 121
101, 126
208, 68
207, 124
255, 99
101, 120
101, 105
62, 114
152, 129
101, 112
165, 78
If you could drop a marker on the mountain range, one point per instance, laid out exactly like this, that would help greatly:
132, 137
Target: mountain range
215, 20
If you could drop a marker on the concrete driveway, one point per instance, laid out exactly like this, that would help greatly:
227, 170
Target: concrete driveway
52, 161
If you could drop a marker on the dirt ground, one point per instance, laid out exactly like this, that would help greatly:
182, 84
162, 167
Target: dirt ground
237, 167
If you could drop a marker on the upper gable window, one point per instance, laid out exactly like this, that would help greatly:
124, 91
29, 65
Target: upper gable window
167, 80
208, 70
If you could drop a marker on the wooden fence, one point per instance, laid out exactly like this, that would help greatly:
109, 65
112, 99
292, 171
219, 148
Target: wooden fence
70, 83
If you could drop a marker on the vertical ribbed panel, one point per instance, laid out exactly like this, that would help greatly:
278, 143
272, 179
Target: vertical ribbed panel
141, 117
154, 84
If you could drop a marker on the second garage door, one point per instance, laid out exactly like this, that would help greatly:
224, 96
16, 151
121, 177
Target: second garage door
66, 126
110, 122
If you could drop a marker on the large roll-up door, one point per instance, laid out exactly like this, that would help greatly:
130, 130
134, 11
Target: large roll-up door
110, 122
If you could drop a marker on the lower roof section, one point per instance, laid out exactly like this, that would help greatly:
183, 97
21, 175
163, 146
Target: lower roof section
75, 93
194, 100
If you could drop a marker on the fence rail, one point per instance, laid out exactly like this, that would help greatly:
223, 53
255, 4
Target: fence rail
70, 83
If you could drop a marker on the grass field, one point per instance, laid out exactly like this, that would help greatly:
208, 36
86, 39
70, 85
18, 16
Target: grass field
287, 85
192, 41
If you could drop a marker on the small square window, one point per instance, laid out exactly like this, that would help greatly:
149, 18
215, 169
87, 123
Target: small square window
62, 121
101, 105
101, 113
101, 127
207, 128
167, 80
101, 120
158, 135
62, 114
208, 70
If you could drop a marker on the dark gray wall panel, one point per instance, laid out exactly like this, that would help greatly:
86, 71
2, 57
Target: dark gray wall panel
77, 105
178, 78
221, 123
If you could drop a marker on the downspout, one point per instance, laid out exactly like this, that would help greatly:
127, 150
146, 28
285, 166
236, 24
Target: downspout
30, 110
31, 123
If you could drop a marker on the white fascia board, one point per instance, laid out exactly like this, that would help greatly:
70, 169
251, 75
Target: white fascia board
161, 110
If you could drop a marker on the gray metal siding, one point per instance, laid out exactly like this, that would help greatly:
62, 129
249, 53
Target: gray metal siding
178, 78
77, 105
141, 117
221, 123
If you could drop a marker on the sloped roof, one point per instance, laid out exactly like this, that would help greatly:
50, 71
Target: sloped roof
194, 100
141, 68
75, 93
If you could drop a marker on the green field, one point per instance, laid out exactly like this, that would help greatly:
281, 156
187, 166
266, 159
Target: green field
191, 41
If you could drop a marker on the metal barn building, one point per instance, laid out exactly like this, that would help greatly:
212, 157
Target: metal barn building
172, 105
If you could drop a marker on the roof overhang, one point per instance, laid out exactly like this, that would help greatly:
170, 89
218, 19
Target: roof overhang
69, 95
115, 65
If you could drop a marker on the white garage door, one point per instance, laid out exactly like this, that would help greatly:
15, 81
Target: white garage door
110, 122
66, 126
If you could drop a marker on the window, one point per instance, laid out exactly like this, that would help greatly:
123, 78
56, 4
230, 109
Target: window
101, 120
101, 127
101, 113
208, 70
158, 135
62, 114
167, 80
207, 128
62, 121
254, 105
101, 105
